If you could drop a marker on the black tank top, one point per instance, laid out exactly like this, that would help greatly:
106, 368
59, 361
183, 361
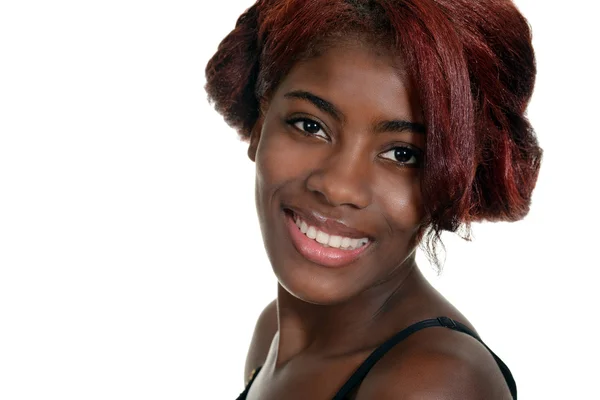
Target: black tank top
362, 371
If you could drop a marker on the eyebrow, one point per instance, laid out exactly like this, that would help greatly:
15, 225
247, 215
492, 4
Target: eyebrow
318, 102
400, 126
327, 107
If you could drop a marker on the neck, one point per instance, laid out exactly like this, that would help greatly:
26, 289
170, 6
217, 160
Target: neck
342, 328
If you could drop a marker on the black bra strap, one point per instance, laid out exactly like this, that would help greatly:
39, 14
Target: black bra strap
362, 371
244, 394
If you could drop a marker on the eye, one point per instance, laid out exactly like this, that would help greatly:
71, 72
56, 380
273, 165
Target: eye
403, 155
308, 127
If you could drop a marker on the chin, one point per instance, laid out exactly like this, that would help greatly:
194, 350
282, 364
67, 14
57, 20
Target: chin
320, 285
326, 275
314, 288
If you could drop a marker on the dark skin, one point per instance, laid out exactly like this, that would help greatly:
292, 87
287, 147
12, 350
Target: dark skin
342, 136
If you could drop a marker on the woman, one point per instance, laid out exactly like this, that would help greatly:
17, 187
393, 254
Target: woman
375, 126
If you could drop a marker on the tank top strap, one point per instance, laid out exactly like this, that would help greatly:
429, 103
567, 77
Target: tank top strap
361, 372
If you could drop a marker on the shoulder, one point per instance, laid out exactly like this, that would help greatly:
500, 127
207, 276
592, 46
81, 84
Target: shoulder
436, 364
264, 331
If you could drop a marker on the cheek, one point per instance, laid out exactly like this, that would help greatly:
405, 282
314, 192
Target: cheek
274, 161
281, 158
278, 167
402, 202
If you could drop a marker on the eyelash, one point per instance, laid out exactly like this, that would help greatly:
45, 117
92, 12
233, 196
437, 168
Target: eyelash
417, 154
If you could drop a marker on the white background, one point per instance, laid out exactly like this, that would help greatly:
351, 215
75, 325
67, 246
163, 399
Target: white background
131, 263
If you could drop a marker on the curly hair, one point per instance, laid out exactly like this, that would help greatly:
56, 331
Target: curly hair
473, 67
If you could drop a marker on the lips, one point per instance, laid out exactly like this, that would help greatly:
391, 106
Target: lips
328, 243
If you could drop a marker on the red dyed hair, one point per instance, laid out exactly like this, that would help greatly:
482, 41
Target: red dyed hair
473, 68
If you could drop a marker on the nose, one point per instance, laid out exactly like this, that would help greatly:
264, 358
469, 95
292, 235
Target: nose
342, 179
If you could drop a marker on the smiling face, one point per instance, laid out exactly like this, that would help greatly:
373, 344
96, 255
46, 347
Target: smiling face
338, 155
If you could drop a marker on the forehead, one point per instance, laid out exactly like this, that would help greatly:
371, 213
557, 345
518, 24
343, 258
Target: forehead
356, 76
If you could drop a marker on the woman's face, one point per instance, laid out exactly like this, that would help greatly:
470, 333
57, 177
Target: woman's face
338, 155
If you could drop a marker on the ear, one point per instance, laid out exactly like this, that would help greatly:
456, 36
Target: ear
255, 138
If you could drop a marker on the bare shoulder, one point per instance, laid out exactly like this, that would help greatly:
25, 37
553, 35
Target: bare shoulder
436, 364
264, 331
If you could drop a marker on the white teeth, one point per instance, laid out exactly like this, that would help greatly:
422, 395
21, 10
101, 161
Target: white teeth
303, 227
346, 242
322, 237
328, 240
335, 241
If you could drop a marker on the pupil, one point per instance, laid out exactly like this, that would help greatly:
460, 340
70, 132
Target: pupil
402, 154
311, 127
